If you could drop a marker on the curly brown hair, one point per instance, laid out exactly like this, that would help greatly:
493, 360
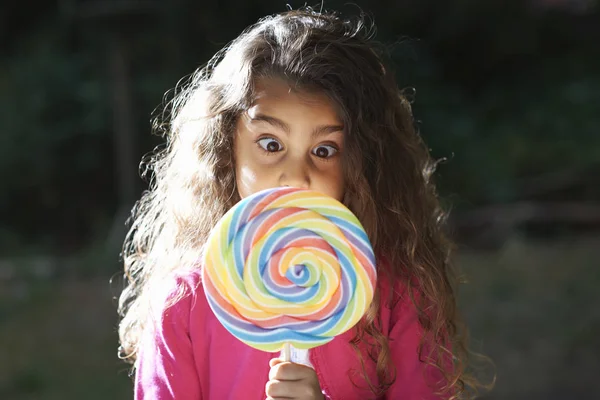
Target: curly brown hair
387, 171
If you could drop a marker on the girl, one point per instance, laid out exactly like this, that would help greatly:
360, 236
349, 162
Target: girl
300, 99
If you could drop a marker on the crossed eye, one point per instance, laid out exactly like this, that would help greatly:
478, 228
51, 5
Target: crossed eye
273, 146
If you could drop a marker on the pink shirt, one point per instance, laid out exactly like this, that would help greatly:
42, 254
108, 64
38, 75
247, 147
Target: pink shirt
190, 355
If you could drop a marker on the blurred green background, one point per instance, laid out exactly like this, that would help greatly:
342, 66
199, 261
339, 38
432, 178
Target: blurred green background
506, 93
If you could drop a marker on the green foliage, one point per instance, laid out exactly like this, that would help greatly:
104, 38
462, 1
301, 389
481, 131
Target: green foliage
54, 162
60, 342
503, 91
510, 132
48, 102
529, 312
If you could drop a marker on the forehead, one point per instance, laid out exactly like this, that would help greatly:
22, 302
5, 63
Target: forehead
277, 97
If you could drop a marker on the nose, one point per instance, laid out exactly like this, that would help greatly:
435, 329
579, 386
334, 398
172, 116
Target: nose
295, 173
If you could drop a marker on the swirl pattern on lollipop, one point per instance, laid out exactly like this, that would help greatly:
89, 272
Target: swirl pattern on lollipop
288, 265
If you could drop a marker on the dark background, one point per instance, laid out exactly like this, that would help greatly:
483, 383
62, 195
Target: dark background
507, 93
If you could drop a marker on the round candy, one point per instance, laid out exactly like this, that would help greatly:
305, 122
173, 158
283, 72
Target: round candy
288, 265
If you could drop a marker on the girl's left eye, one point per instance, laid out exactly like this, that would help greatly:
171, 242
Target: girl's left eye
325, 151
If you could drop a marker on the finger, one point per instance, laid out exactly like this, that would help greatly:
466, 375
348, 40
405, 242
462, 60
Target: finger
287, 371
274, 361
285, 389
283, 371
275, 373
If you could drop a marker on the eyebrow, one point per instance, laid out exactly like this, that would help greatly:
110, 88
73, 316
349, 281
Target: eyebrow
318, 131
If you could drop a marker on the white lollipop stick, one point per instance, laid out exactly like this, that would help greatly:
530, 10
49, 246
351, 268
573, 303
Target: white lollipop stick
286, 352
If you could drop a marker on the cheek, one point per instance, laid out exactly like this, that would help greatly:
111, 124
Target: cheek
332, 183
244, 174
246, 179
340, 187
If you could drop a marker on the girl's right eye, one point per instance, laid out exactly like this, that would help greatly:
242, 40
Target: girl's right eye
269, 145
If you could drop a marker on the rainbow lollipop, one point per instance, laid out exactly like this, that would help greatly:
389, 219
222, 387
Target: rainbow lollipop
288, 266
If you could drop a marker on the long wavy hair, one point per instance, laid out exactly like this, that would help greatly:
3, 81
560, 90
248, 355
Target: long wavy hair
387, 171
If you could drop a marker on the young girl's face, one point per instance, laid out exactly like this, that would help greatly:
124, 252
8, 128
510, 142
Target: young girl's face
289, 138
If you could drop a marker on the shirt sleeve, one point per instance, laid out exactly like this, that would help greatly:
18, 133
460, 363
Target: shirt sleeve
415, 380
165, 359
